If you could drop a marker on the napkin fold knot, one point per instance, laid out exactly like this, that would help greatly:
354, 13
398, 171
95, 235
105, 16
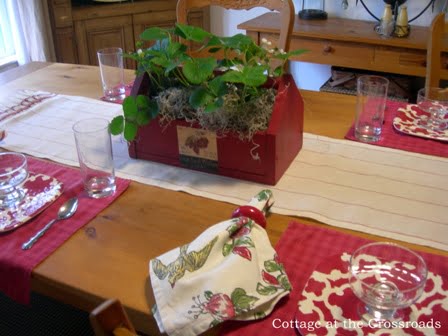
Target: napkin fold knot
229, 272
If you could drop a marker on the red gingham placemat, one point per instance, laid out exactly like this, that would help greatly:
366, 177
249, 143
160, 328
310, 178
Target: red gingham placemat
394, 139
16, 265
301, 249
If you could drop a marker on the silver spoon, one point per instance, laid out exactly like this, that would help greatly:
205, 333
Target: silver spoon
65, 211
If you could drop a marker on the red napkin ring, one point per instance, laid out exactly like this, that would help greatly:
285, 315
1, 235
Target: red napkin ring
252, 213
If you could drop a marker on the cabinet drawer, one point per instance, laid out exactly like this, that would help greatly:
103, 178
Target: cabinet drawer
404, 61
338, 53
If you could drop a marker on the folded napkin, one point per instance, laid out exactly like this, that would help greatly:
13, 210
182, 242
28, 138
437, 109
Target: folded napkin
229, 272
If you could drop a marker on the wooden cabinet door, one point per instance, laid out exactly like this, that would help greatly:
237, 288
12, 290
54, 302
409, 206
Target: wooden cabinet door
95, 34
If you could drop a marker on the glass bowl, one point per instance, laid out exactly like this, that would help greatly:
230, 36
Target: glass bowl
433, 101
386, 277
13, 173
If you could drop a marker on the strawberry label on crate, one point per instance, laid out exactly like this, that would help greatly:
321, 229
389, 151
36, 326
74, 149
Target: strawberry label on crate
197, 148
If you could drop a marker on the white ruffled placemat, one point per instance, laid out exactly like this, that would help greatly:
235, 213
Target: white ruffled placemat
372, 189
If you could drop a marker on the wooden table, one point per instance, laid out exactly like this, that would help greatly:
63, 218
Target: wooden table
350, 43
145, 221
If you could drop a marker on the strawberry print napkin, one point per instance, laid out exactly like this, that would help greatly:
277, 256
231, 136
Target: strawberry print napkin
229, 272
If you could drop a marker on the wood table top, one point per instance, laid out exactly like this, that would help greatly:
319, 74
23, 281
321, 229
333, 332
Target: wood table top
145, 221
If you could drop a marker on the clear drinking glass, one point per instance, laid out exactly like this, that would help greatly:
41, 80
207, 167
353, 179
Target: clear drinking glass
386, 277
434, 101
13, 173
94, 147
110, 61
371, 97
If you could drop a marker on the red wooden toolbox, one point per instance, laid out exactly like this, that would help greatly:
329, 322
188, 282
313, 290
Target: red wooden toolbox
263, 160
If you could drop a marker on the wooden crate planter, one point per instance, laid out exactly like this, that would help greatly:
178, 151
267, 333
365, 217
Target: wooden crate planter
263, 160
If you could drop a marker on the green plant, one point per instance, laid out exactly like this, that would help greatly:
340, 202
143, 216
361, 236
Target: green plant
242, 73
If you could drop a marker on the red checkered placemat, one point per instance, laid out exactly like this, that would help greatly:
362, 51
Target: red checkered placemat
16, 265
394, 139
302, 249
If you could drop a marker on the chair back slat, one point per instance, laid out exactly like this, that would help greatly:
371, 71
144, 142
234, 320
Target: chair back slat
438, 30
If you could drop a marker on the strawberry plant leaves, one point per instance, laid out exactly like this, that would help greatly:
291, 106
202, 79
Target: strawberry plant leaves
154, 33
130, 131
200, 97
214, 105
116, 126
191, 32
198, 70
130, 108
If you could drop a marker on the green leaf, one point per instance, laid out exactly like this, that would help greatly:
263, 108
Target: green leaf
278, 71
226, 249
116, 125
130, 108
264, 195
191, 33
233, 76
214, 41
244, 241
162, 61
200, 97
130, 131
226, 63
215, 105
174, 48
284, 282
255, 76
238, 42
143, 117
266, 290
237, 292
248, 75
208, 295
199, 70
142, 101
154, 33
218, 87
242, 301
272, 266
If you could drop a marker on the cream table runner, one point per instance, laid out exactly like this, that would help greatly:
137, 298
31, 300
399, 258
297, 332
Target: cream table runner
376, 190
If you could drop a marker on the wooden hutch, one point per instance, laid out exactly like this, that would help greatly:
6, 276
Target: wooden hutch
81, 27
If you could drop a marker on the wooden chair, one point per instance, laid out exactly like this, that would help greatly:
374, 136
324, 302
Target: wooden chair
110, 319
437, 37
284, 7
